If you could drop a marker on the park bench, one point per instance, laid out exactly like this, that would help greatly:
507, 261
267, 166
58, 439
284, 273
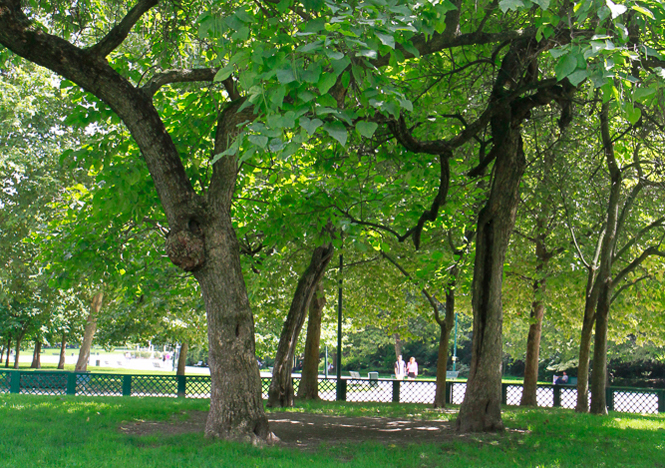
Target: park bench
354, 374
452, 374
373, 379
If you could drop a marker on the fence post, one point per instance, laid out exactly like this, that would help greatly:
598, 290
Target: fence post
341, 389
182, 385
557, 396
15, 382
504, 393
396, 388
661, 400
127, 385
71, 383
609, 398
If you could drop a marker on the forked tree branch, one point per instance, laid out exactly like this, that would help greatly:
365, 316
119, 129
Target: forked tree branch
119, 33
186, 75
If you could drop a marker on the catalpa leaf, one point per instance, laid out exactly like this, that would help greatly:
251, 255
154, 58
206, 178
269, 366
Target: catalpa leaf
337, 130
366, 129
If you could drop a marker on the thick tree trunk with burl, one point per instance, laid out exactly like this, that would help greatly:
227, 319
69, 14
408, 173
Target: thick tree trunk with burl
36, 356
89, 333
281, 386
309, 381
182, 358
63, 349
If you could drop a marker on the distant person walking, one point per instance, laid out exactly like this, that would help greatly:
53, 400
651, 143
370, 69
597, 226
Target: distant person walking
412, 368
400, 368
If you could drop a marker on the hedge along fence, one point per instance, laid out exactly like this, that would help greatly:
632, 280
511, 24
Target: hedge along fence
627, 400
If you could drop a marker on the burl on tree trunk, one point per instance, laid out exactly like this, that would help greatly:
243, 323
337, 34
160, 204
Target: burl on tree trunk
281, 386
309, 380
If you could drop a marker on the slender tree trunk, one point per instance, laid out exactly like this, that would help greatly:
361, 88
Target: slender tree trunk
481, 409
309, 382
182, 358
529, 394
599, 376
2, 353
445, 326
63, 350
18, 351
398, 346
36, 356
89, 333
582, 405
281, 386
9, 347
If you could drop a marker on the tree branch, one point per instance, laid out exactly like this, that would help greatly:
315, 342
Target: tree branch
653, 250
119, 33
187, 75
657, 223
626, 286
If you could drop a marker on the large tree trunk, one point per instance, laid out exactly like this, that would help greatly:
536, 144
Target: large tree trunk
63, 350
309, 381
89, 333
281, 386
236, 407
182, 358
201, 238
36, 356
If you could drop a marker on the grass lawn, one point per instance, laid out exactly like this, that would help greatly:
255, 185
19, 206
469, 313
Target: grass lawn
38, 431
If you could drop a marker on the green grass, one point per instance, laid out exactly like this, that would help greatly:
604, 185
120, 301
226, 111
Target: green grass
68, 432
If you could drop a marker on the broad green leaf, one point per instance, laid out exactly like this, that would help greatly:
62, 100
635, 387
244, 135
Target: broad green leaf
386, 39
258, 140
543, 4
366, 129
643, 10
577, 77
310, 125
566, 65
337, 130
326, 82
642, 93
506, 5
633, 114
285, 76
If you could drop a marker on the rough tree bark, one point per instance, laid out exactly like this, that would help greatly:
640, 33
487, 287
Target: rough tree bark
63, 350
18, 349
309, 381
36, 356
281, 386
201, 238
89, 333
481, 409
182, 358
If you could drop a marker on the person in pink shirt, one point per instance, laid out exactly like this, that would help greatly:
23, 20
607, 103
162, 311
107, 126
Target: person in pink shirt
412, 368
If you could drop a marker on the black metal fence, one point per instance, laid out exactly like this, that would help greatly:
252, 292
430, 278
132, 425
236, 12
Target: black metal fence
627, 400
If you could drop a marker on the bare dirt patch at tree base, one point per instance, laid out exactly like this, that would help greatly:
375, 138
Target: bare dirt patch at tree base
309, 430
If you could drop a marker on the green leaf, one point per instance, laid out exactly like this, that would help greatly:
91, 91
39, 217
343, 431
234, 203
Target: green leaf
386, 39
506, 5
337, 130
224, 73
326, 82
366, 129
643, 10
633, 114
285, 76
258, 140
566, 65
577, 77
543, 4
310, 125
642, 93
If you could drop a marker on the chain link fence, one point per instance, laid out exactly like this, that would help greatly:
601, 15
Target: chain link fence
627, 400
